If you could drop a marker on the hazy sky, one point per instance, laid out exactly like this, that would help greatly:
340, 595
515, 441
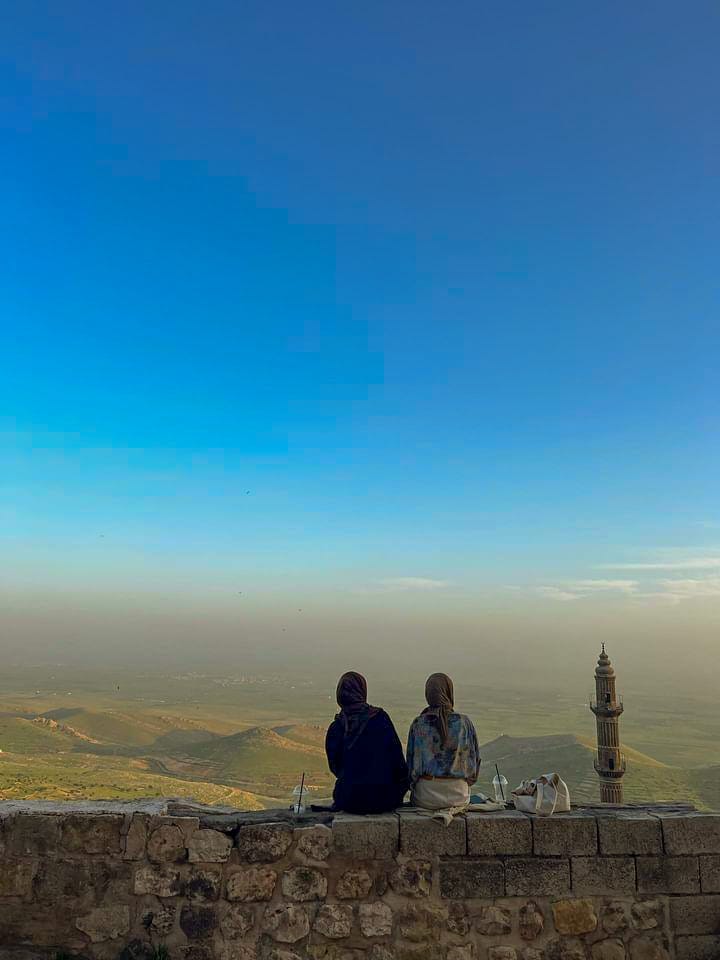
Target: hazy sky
403, 315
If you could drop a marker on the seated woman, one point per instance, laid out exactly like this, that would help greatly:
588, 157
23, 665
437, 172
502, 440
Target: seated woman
364, 753
442, 753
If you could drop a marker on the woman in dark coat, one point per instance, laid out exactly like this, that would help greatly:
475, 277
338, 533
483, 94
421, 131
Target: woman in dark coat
364, 753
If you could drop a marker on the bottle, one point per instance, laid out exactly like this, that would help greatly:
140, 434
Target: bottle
299, 796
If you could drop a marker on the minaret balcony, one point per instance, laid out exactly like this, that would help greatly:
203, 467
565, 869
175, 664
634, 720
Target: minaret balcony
604, 771
607, 710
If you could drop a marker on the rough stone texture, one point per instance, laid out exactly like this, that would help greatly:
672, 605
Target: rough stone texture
422, 836
286, 922
537, 877
105, 923
203, 884
111, 881
257, 883
501, 834
598, 875
304, 883
615, 918
697, 948
710, 874
565, 835
630, 833
364, 838
565, 950
668, 875
608, 950
642, 948
263, 842
236, 921
334, 920
646, 915
99, 834
209, 846
467, 879
493, 921
163, 881
574, 916
412, 878
353, 885
315, 843
196, 922
691, 833
531, 921
166, 844
375, 919
695, 914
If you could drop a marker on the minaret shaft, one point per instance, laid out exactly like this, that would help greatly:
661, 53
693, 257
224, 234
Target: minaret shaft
610, 762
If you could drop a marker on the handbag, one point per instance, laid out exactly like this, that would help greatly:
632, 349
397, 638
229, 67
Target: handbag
542, 796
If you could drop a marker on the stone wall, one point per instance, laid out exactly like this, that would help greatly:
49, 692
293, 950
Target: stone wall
127, 882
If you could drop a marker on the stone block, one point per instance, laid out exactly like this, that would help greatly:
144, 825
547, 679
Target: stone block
105, 923
159, 881
92, 833
421, 836
254, 884
608, 950
353, 885
465, 951
697, 948
136, 838
565, 950
203, 884
646, 915
334, 920
532, 921
502, 953
615, 917
710, 874
565, 835
695, 914
159, 919
304, 883
16, 877
40, 926
663, 875
166, 844
315, 843
537, 877
468, 879
493, 921
691, 833
625, 834
531, 953
236, 921
263, 842
458, 921
366, 838
412, 878
603, 875
422, 924
504, 833
376, 919
644, 948
198, 922
573, 917
33, 835
209, 846
286, 922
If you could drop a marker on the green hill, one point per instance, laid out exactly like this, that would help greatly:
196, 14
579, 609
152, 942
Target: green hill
303, 733
21, 736
261, 754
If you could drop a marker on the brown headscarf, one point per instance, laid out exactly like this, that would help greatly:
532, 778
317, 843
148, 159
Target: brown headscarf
355, 711
440, 696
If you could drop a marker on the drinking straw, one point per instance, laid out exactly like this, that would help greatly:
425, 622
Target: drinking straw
502, 792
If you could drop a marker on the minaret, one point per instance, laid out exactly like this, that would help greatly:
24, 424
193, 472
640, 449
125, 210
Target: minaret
610, 763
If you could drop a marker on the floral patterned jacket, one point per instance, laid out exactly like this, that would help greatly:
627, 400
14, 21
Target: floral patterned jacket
460, 757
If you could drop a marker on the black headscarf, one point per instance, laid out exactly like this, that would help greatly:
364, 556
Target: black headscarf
355, 711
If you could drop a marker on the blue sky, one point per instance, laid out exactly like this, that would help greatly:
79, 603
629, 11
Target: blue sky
437, 285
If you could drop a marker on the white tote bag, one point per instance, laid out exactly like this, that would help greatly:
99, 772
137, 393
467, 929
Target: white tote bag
543, 796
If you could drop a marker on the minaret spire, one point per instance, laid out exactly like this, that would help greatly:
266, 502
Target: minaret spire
610, 762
